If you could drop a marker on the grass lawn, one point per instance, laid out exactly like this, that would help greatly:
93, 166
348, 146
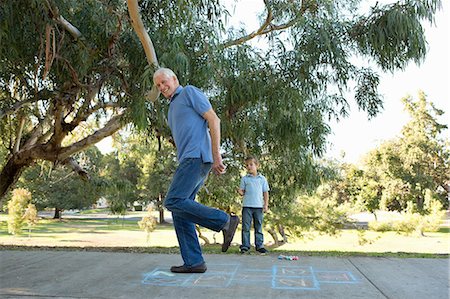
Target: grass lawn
110, 234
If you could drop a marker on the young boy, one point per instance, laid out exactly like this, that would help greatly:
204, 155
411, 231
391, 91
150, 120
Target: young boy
255, 190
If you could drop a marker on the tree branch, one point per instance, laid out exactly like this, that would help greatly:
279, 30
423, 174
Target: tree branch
267, 26
110, 128
69, 27
19, 134
61, 21
70, 162
83, 116
149, 49
14, 108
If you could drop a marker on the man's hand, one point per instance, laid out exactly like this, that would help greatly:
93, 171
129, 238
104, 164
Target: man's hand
218, 167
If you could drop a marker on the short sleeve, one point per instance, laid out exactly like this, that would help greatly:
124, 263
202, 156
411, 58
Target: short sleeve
197, 99
242, 186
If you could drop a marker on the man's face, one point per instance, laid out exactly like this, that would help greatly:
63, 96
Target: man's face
166, 84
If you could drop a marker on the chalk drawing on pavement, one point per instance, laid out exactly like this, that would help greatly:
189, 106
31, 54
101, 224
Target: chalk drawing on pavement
226, 275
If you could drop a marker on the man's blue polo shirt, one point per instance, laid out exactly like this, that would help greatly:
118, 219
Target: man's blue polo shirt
189, 128
254, 187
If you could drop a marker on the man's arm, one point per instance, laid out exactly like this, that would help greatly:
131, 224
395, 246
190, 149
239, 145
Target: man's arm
214, 129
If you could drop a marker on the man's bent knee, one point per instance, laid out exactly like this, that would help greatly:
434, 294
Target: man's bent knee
169, 204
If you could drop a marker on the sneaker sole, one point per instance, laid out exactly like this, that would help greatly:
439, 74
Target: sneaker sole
234, 227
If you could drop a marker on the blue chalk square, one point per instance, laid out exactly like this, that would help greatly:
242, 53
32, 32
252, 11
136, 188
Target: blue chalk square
222, 268
253, 276
164, 278
210, 280
335, 277
295, 283
292, 271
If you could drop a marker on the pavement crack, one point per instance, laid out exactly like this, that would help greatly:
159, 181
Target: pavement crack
368, 279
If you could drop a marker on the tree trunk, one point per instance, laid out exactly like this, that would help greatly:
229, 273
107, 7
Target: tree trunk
160, 206
161, 216
9, 175
57, 214
202, 236
282, 233
274, 235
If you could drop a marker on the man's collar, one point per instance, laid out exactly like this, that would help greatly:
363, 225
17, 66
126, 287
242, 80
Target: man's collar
254, 176
177, 91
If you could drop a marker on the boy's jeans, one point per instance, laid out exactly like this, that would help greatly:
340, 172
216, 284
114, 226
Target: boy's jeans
186, 212
249, 214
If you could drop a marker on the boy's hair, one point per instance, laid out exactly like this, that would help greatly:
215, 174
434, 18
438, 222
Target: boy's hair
251, 158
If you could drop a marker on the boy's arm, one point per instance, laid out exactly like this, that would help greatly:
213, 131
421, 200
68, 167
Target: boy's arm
241, 191
266, 201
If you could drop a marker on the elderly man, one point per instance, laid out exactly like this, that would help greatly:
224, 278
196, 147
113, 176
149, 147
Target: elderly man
196, 131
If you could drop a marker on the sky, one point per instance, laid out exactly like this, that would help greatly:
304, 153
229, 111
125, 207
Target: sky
356, 135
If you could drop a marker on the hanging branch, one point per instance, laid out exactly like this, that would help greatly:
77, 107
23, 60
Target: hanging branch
138, 25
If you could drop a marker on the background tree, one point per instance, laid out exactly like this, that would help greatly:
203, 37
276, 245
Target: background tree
122, 174
157, 164
64, 62
417, 161
61, 189
55, 75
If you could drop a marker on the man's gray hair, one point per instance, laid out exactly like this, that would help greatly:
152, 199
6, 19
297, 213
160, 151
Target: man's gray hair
166, 71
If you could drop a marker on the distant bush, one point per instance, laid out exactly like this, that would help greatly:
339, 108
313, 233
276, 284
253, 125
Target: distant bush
148, 222
411, 222
31, 217
381, 226
16, 210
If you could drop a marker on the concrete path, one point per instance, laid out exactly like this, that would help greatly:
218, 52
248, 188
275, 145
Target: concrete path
68, 274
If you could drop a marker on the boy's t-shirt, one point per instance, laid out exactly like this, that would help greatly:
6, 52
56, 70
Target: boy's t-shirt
254, 187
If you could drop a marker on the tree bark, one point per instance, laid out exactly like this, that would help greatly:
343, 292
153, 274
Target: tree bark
204, 238
57, 214
147, 44
159, 204
282, 233
10, 174
274, 235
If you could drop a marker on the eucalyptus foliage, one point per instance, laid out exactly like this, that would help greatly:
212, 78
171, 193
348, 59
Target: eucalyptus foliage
64, 62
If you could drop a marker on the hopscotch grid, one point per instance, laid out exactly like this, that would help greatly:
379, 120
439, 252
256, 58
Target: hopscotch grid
277, 275
232, 275
352, 280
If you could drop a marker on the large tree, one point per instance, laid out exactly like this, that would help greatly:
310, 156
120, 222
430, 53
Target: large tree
419, 160
64, 62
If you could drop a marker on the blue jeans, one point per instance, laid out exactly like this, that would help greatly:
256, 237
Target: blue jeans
249, 214
186, 212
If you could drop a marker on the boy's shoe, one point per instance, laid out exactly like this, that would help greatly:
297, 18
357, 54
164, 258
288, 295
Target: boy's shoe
244, 250
262, 250
183, 269
228, 234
